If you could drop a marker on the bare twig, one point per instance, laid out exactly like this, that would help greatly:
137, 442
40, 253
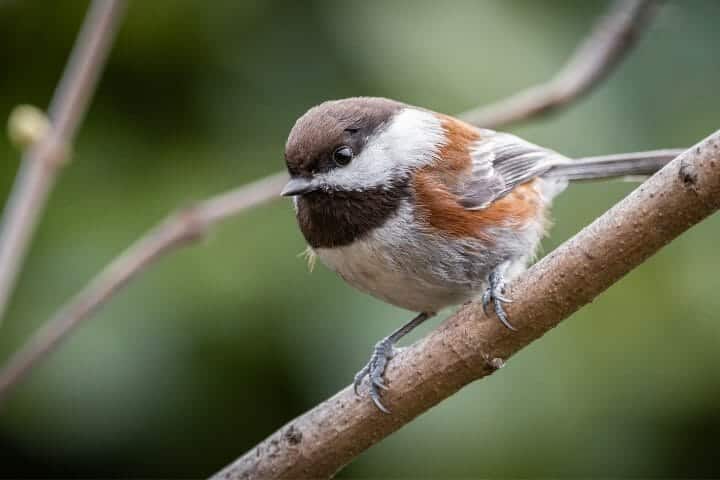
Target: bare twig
179, 229
608, 43
469, 346
42, 161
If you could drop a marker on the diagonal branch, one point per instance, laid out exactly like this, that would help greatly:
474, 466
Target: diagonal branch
469, 346
608, 43
178, 230
43, 160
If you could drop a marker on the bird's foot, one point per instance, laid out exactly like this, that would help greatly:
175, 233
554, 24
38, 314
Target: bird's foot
383, 352
375, 369
495, 293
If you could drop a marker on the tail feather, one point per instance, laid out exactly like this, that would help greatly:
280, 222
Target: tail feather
613, 166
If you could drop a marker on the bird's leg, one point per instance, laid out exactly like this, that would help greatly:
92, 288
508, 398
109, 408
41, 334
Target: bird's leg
382, 353
495, 293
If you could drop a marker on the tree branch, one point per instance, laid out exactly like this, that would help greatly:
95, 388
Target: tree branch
43, 160
178, 230
469, 345
608, 43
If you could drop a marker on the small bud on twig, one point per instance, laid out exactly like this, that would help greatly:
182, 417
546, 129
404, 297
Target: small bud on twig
27, 125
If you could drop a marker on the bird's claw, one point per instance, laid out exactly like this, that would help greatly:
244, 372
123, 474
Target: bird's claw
359, 378
375, 369
495, 293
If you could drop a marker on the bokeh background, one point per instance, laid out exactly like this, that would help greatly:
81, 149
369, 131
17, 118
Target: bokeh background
222, 343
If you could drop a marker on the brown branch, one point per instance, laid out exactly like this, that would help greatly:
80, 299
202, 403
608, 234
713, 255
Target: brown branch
179, 229
608, 43
41, 163
469, 346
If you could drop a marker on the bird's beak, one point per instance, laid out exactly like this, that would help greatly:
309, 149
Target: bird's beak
298, 186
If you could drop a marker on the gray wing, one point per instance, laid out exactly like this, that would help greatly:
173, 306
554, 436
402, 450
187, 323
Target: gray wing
500, 161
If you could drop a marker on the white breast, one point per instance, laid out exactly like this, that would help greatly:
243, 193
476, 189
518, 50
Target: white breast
410, 269
406, 265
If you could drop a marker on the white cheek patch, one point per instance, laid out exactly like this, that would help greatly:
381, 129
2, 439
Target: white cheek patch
411, 140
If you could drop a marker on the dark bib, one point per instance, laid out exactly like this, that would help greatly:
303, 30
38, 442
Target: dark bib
335, 219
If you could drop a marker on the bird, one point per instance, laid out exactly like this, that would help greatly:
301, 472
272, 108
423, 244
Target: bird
423, 210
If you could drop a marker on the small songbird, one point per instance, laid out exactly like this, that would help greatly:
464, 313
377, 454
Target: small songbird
423, 210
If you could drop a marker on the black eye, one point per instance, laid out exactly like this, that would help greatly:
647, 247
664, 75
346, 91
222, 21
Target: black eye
343, 155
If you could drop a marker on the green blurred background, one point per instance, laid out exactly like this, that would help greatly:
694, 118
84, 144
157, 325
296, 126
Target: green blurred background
221, 344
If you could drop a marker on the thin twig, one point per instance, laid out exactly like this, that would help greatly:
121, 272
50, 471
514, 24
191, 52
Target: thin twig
469, 345
608, 43
42, 161
179, 229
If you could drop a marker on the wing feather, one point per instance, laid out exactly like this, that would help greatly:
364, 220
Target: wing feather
501, 161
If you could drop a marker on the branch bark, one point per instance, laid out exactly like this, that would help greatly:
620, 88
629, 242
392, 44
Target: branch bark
469, 346
602, 50
40, 165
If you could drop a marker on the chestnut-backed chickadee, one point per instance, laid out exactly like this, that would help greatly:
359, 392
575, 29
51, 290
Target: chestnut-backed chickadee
423, 210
